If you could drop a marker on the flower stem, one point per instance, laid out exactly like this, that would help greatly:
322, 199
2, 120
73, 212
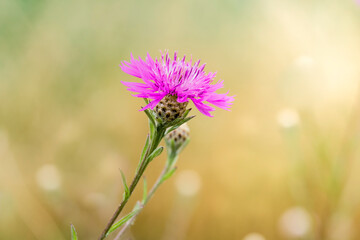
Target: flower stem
155, 141
158, 182
169, 164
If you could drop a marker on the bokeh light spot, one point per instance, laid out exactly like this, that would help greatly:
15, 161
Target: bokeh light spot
295, 222
48, 177
188, 183
254, 236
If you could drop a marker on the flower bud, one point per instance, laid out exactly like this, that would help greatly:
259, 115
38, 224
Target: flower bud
169, 109
179, 136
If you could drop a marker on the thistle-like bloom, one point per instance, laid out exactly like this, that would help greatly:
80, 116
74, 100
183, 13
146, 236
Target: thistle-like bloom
176, 78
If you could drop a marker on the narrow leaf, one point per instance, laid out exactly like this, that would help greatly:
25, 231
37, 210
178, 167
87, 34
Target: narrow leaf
150, 116
185, 120
168, 174
170, 129
121, 222
155, 153
127, 192
145, 147
73, 233
152, 127
186, 112
179, 123
174, 122
147, 142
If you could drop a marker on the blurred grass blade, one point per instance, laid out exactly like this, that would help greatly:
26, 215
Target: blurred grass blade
73, 233
145, 190
121, 222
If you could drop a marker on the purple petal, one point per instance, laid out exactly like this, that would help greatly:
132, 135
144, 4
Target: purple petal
203, 108
152, 104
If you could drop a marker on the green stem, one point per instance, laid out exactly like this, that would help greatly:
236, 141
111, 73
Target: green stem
172, 158
157, 184
159, 134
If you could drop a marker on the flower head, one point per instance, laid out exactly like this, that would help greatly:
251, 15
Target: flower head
169, 109
175, 77
179, 135
177, 139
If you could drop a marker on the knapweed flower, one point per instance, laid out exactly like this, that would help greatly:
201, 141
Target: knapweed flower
175, 79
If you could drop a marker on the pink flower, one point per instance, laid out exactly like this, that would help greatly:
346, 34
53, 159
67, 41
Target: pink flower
175, 77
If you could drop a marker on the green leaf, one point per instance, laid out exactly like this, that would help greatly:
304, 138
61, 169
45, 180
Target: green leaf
178, 120
73, 233
168, 174
184, 120
145, 191
186, 112
152, 128
145, 147
178, 123
127, 192
155, 153
170, 130
150, 116
121, 221
173, 123
152, 120
147, 142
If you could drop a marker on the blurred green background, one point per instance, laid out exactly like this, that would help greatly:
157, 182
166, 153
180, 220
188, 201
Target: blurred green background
283, 164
